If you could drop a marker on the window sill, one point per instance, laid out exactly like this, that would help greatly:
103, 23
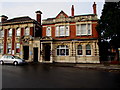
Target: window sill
61, 36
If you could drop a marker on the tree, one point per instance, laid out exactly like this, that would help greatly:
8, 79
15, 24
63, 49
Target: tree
109, 24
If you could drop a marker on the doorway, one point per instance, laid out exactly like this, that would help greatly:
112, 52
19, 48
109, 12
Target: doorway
26, 52
35, 59
47, 49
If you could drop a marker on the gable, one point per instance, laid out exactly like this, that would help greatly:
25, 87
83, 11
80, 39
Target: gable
62, 15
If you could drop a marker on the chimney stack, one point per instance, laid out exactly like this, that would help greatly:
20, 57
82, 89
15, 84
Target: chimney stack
94, 8
3, 18
38, 16
72, 10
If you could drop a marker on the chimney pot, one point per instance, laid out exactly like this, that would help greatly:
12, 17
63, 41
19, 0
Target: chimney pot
94, 8
72, 10
38, 16
3, 18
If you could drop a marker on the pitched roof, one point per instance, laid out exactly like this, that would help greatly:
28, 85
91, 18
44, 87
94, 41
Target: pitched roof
62, 13
18, 19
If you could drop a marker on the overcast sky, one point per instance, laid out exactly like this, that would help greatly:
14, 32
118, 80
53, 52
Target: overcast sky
49, 8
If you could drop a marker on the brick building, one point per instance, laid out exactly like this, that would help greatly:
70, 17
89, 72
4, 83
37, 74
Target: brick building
18, 35
70, 39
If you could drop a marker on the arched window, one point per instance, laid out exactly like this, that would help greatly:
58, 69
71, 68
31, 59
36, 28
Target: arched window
27, 31
88, 49
10, 32
79, 50
18, 32
62, 50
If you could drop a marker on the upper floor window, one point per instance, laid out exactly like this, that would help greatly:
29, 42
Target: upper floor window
1, 48
88, 49
62, 50
62, 31
10, 32
48, 31
83, 29
18, 32
27, 31
1, 33
79, 50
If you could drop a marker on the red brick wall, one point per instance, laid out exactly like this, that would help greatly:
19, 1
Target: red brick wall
22, 32
72, 32
5, 40
13, 39
31, 31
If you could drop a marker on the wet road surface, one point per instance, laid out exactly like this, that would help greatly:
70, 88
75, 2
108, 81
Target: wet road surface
48, 76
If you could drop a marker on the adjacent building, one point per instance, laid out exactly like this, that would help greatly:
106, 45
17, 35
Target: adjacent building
17, 36
63, 39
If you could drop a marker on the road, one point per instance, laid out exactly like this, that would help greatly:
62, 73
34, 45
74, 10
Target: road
48, 76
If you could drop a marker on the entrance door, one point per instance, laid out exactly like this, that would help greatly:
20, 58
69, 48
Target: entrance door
47, 52
26, 52
35, 55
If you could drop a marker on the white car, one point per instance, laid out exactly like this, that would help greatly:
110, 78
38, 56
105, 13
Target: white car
10, 59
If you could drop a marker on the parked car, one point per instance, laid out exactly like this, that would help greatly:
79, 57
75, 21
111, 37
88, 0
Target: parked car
10, 59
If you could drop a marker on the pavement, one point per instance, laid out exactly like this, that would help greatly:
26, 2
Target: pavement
110, 67
103, 67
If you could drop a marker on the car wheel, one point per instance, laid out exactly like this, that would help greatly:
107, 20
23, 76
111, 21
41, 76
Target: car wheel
15, 63
1, 62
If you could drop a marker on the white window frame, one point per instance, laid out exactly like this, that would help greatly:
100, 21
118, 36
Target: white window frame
48, 31
10, 32
17, 47
27, 31
1, 33
79, 29
88, 49
65, 48
65, 32
18, 32
9, 46
1, 48
79, 49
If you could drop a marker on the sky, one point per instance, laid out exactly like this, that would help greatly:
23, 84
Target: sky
49, 8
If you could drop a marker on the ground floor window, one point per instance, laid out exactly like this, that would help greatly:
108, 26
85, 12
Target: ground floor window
1, 48
88, 49
79, 50
62, 50
9, 48
17, 48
